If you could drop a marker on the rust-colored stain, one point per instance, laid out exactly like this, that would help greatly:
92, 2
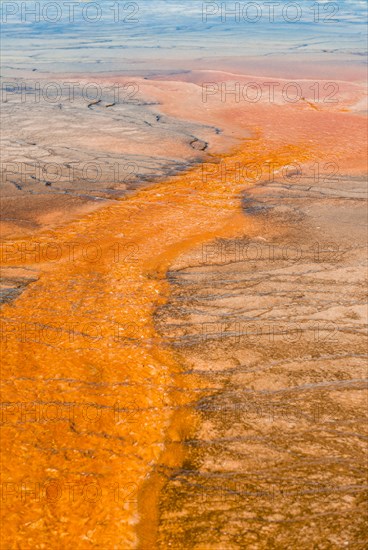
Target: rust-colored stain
85, 374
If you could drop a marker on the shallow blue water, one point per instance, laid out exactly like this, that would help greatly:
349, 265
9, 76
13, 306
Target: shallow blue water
126, 36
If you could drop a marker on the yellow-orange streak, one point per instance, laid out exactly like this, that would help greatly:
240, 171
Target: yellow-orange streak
89, 346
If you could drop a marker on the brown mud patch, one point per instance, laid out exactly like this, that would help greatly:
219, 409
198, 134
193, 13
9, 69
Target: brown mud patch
273, 327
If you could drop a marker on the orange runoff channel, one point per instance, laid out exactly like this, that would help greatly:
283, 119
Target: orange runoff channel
85, 375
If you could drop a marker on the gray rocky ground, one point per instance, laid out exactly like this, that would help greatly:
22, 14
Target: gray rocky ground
65, 155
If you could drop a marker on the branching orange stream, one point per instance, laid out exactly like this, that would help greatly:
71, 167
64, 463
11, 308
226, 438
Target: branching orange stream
85, 374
